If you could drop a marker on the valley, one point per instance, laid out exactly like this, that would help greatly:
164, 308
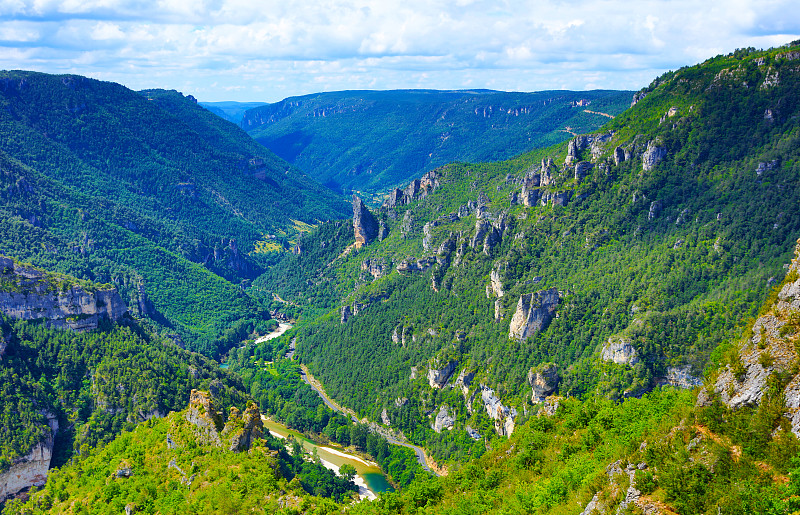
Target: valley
590, 305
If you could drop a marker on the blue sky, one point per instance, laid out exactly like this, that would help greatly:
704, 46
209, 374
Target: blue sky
267, 50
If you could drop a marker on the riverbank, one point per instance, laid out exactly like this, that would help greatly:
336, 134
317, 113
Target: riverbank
369, 477
391, 436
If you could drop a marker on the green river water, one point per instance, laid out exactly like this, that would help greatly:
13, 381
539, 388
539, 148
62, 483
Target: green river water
369, 472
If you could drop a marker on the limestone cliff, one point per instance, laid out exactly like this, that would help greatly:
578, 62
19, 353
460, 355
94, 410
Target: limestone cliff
365, 227
242, 429
533, 314
771, 350
28, 293
31, 470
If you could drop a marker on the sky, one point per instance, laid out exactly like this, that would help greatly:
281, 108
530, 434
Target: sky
268, 50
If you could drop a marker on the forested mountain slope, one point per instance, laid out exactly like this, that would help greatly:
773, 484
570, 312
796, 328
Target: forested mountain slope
368, 141
623, 260
151, 192
76, 370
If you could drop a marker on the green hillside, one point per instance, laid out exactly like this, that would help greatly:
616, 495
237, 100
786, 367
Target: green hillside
151, 192
369, 141
661, 255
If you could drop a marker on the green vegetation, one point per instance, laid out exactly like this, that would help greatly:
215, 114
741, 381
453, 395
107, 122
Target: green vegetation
95, 384
674, 260
371, 140
161, 467
151, 192
278, 389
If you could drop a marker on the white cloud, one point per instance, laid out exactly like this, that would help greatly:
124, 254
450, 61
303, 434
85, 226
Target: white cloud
271, 49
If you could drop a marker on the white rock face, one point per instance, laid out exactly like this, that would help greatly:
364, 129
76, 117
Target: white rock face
620, 352
439, 374
443, 420
534, 312
496, 283
653, 155
30, 470
36, 298
503, 416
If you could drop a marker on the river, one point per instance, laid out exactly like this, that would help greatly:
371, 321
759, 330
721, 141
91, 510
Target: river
369, 478
282, 328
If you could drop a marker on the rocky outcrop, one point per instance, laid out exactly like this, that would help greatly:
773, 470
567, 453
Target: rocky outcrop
619, 155
28, 293
654, 154
377, 268
203, 414
638, 97
439, 373
543, 380
503, 416
418, 188
464, 381
443, 420
31, 469
533, 314
242, 429
619, 351
770, 350
655, 209
365, 227
411, 265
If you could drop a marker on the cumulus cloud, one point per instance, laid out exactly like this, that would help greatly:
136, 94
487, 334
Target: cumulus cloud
271, 49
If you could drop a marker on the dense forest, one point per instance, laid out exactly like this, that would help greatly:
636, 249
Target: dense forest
368, 141
607, 325
151, 192
673, 258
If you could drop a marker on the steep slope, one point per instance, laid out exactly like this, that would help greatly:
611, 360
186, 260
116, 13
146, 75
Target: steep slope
612, 264
190, 462
68, 390
371, 140
150, 192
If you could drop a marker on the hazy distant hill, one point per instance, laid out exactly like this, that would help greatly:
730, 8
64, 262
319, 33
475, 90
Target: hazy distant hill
231, 111
371, 140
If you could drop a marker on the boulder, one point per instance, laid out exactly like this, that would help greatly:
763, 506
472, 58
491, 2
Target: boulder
365, 227
533, 314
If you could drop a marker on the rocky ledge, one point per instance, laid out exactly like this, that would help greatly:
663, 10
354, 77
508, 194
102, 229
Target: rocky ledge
28, 293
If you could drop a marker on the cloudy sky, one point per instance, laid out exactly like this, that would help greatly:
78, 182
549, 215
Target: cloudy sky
267, 50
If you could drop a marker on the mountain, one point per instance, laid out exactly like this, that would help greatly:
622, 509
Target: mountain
189, 460
231, 111
151, 192
369, 141
622, 261
76, 370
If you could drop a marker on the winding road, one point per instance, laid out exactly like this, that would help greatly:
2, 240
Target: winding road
391, 438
